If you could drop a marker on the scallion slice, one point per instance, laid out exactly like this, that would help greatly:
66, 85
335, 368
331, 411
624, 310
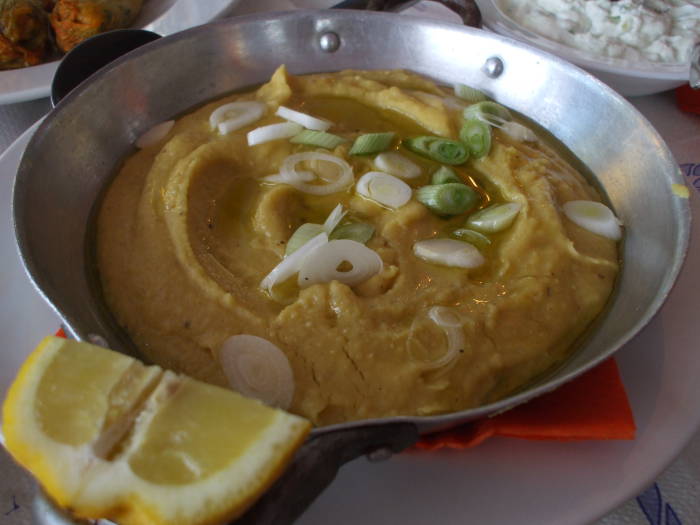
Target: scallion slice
419, 145
445, 151
495, 218
451, 198
445, 175
449, 252
518, 132
370, 143
448, 151
305, 120
320, 139
487, 112
472, 237
301, 236
595, 217
355, 231
469, 93
477, 135
396, 164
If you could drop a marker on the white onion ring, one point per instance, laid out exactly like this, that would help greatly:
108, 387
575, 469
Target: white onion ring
282, 130
333, 219
321, 266
155, 134
450, 323
293, 177
449, 252
384, 188
595, 217
257, 368
292, 262
244, 113
396, 164
303, 119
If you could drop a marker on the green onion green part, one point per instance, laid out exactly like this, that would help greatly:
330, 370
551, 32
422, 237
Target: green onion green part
321, 139
476, 134
444, 151
472, 237
487, 111
419, 145
301, 236
444, 175
355, 231
448, 151
495, 218
451, 198
469, 94
370, 143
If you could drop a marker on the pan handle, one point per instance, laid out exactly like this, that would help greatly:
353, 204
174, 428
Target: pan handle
316, 464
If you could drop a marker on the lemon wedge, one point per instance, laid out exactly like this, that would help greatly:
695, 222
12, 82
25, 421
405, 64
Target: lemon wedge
108, 437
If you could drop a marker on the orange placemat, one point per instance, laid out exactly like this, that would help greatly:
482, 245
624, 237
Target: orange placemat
593, 406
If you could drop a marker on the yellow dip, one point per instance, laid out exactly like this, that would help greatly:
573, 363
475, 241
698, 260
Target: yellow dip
188, 230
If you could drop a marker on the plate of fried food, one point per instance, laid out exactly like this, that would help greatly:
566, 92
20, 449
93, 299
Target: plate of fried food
35, 34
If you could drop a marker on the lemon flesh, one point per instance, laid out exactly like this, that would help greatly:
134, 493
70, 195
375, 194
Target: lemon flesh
108, 437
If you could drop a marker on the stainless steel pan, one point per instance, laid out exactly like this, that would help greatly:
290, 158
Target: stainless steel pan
76, 151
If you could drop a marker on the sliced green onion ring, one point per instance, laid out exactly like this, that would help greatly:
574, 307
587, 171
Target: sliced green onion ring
301, 236
233, 116
447, 319
469, 93
370, 143
383, 188
272, 132
595, 217
396, 164
485, 111
444, 175
305, 120
320, 139
476, 134
451, 198
472, 237
445, 151
298, 179
518, 132
495, 218
257, 368
448, 151
449, 252
291, 263
334, 218
355, 231
322, 265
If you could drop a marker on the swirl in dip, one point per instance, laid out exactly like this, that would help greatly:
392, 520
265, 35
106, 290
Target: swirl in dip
193, 224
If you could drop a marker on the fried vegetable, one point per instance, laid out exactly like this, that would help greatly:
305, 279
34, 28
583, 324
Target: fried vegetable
24, 33
74, 21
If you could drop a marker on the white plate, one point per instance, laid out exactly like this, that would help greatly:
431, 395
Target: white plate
501, 481
161, 16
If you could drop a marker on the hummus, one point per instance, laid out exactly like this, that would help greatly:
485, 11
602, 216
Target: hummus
188, 230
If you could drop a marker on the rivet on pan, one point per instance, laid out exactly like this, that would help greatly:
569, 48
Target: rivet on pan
329, 42
380, 454
97, 340
493, 67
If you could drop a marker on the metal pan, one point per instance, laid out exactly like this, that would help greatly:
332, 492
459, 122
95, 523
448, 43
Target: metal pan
76, 151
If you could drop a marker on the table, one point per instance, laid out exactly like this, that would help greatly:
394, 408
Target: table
678, 486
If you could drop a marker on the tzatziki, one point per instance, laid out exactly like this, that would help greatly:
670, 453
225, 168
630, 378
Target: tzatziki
637, 31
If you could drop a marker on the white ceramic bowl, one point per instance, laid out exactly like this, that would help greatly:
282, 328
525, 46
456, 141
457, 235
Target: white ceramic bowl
626, 79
